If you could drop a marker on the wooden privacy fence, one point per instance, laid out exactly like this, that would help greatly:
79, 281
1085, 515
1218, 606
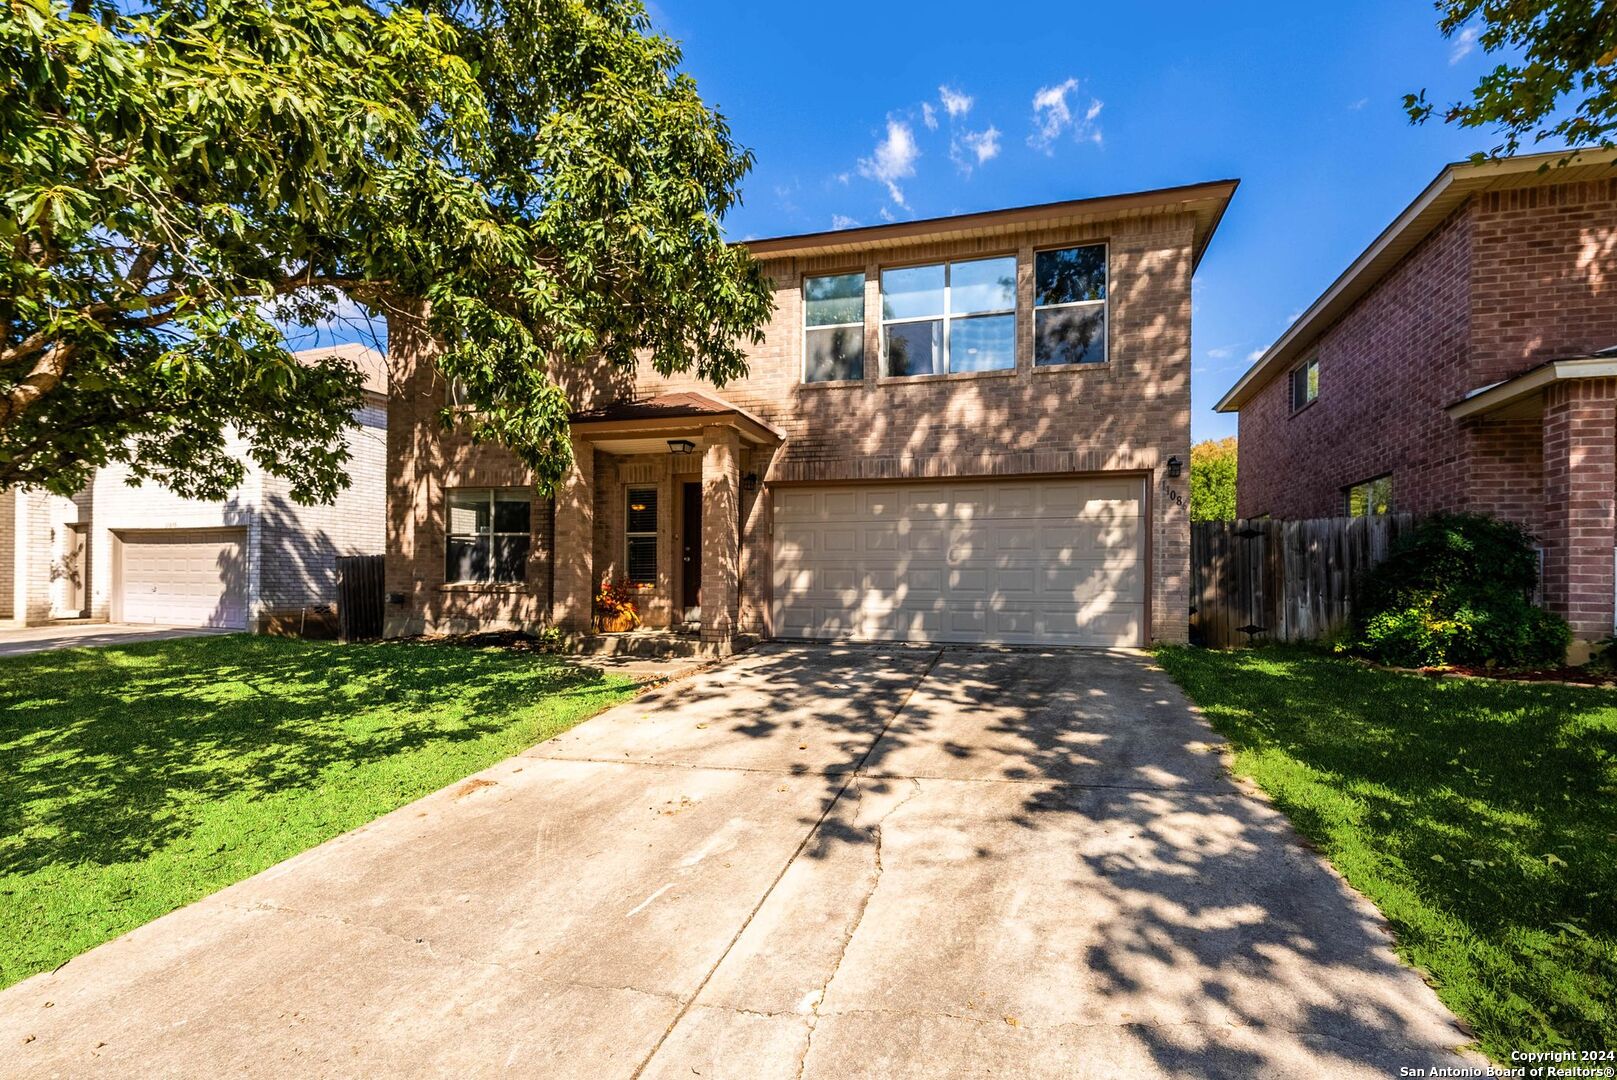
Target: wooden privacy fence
1253, 581
359, 596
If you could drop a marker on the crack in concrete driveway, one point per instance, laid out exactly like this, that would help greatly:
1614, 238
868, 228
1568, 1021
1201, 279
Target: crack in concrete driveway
711, 880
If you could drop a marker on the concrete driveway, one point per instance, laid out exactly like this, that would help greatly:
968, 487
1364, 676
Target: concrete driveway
810, 861
78, 635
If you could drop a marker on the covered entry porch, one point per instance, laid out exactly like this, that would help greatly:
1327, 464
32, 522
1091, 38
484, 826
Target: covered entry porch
658, 497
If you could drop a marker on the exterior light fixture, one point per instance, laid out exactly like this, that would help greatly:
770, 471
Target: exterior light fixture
749, 482
680, 446
1175, 466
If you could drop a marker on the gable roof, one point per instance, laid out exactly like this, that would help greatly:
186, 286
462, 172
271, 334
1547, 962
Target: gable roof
1445, 194
1205, 201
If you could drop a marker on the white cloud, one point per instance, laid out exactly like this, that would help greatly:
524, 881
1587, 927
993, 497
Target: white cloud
893, 160
1219, 354
929, 116
1357, 105
1464, 44
955, 102
970, 149
1053, 116
886, 214
1252, 357
843, 221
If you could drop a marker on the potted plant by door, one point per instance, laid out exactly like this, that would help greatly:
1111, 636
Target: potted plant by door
615, 610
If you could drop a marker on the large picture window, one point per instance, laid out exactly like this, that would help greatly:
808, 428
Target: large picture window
834, 328
1069, 306
950, 317
489, 537
641, 532
1370, 497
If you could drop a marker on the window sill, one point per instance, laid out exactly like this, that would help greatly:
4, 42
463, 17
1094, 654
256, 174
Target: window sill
1054, 369
1302, 408
830, 384
484, 586
948, 376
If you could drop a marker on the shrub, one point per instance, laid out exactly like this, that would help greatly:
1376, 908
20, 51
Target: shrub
615, 600
1455, 591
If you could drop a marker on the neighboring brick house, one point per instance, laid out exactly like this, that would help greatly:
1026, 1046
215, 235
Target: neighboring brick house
1461, 363
256, 560
954, 430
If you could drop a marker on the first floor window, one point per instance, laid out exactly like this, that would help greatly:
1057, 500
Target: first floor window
641, 531
1370, 497
1069, 306
1305, 384
490, 534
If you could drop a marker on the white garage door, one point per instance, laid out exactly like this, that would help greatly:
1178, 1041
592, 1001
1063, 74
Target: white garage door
184, 577
1031, 562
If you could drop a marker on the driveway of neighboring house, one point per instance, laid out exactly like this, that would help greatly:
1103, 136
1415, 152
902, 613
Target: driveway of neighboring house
77, 635
809, 861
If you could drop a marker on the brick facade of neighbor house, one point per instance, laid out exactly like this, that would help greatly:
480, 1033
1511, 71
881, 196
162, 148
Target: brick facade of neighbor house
1490, 280
1126, 417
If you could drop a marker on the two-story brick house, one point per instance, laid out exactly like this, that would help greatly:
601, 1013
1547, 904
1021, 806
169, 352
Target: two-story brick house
964, 429
1462, 362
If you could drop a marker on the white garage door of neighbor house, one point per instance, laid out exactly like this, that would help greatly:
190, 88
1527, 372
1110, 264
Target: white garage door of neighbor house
184, 577
1029, 562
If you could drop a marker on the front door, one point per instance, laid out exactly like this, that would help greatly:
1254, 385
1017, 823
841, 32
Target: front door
690, 566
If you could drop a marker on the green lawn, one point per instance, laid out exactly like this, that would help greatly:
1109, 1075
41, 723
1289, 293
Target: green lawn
135, 780
1480, 816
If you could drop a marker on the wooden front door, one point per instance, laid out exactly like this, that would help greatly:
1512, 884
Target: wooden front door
690, 554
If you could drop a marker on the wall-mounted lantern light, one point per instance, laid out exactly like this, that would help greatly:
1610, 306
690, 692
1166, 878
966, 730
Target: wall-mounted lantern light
1175, 466
749, 482
680, 446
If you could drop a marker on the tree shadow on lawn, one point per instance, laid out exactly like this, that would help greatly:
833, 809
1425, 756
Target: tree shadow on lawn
108, 755
1481, 816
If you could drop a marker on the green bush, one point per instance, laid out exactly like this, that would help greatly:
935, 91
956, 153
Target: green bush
1455, 591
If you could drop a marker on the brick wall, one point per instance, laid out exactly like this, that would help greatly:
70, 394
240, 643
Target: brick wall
1544, 276
1580, 491
299, 545
1387, 369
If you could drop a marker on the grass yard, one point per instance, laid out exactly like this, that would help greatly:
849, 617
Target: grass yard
136, 780
1479, 816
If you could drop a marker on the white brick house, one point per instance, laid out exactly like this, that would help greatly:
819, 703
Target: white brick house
256, 560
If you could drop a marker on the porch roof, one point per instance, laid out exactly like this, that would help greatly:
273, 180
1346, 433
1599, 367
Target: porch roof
1520, 396
683, 413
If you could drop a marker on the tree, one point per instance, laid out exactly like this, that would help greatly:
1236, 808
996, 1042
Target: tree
528, 185
1562, 88
1212, 480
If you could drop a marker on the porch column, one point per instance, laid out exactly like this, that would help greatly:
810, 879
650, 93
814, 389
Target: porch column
1580, 485
721, 539
573, 557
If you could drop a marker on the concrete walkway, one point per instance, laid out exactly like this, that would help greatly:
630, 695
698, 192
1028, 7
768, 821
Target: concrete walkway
77, 635
816, 862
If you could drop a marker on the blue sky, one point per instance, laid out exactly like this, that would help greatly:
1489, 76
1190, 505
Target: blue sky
844, 105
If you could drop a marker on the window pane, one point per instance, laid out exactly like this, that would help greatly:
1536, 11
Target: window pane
1070, 335
915, 348
982, 285
1313, 379
468, 512
837, 353
511, 514
985, 343
466, 559
643, 560
1070, 275
510, 558
912, 292
642, 510
836, 299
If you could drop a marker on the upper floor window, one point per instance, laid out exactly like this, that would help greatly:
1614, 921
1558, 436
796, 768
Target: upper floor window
834, 328
488, 535
1069, 305
950, 317
1370, 497
1305, 383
